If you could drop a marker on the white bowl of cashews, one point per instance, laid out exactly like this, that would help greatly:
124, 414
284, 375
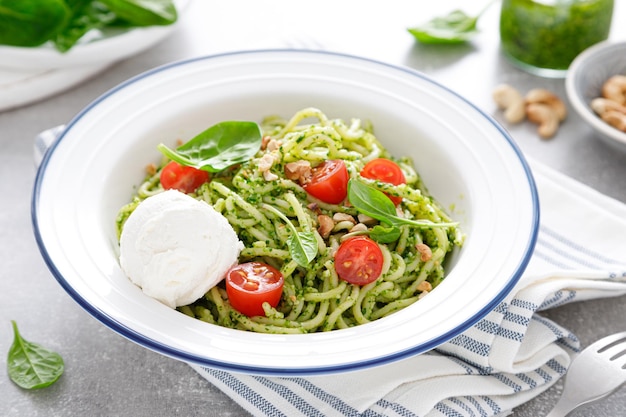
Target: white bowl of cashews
596, 88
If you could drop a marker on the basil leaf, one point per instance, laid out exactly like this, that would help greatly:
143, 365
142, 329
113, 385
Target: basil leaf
453, 28
219, 147
32, 366
144, 12
31, 22
384, 234
372, 202
302, 245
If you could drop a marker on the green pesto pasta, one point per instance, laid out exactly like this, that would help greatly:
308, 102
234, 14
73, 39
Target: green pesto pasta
314, 297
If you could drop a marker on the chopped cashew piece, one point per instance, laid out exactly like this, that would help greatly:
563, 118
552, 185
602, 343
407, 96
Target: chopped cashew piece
266, 162
425, 252
343, 217
151, 169
298, 171
326, 225
511, 101
425, 286
367, 220
359, 227
545, 116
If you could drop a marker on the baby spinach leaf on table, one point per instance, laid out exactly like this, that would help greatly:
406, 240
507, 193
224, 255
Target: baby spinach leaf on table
219, 147
302, 245
31, 22
30, 365
374, 203
144, 12
455, 27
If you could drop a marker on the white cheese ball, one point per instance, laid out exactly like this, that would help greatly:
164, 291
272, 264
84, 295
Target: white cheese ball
176, 248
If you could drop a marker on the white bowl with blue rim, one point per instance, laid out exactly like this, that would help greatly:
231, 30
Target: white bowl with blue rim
467, 160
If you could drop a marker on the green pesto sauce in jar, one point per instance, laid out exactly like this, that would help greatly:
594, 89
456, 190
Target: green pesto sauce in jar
549, 34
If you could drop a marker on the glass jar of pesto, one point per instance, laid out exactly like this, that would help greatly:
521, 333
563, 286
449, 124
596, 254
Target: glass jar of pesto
544, 36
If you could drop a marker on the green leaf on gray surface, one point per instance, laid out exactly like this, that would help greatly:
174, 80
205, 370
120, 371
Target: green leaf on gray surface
30, 365
453, 28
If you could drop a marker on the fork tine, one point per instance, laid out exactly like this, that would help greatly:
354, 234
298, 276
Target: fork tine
608, 341
614, 348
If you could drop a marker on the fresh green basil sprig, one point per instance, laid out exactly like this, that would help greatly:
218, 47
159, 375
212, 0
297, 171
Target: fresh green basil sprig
374, 203
302, 245
219, 147
31, 23
32, 366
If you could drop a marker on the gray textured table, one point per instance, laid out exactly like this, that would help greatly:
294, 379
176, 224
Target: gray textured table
107, 375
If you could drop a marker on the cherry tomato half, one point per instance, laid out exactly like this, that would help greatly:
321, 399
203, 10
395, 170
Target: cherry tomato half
250, 284
359, 260
385, 170
329, 182
182, 178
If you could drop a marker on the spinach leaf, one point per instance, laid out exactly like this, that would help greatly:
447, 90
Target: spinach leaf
32, 366
219, 147
87, 15
372, 202
144, 12
302, 245
31, 22
34, 22
454, 28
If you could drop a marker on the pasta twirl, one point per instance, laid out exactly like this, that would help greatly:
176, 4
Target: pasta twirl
314, 297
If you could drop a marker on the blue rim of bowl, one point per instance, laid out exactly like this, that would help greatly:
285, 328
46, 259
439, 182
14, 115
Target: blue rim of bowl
156, 346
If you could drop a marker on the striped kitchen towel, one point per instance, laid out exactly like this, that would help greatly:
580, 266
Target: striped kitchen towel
506, 359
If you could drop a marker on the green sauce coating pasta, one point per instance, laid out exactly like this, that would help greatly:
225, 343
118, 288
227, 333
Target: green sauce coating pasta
314, 297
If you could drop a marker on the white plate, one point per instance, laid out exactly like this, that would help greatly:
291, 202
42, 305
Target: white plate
113, 46
467, 160
18, 88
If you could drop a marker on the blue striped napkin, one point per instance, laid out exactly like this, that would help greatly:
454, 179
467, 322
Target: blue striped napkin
506, 359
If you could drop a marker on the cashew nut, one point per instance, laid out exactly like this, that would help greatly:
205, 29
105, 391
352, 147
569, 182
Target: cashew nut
602, 105
615, 119
543, 96
545, 116
615, 89
511, 101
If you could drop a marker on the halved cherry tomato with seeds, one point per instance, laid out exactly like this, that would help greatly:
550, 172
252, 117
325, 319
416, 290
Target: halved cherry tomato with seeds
329, 182
250, 284
182, 178
359, 260
385, 170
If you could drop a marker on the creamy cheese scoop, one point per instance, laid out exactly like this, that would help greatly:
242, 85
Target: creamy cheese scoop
176, 248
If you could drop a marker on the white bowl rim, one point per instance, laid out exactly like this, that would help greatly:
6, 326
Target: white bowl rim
582, 108
154, 345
